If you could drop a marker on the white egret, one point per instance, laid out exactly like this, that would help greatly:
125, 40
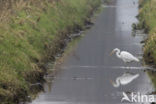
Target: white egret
124, 55
125, 79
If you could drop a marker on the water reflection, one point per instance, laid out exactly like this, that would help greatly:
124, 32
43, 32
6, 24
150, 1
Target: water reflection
125, 79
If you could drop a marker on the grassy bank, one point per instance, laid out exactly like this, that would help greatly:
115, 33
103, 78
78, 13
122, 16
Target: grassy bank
147, 17
31, 33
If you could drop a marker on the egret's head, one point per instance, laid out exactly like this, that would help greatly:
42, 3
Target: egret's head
114, 51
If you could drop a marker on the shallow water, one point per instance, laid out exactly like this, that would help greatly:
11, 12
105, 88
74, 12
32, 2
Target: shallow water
85, 77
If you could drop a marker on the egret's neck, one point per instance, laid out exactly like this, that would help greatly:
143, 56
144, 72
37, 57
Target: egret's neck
118, 53
117, 84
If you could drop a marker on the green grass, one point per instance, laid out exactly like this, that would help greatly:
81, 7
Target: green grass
147, 17
27, 38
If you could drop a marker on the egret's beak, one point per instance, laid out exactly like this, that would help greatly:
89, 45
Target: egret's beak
112, 53
111, 82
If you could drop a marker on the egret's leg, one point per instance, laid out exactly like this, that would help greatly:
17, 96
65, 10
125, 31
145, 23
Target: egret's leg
127, 68
125, 65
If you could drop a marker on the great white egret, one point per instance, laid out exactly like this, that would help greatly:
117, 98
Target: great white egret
124, 55
125, 79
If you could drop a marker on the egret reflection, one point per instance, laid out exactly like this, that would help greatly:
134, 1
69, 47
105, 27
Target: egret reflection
125, 79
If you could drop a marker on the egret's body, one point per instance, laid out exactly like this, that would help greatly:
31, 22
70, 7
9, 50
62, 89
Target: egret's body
125, 56
125, 79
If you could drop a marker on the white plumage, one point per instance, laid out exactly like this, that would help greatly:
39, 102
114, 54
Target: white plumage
125, 56
125, 79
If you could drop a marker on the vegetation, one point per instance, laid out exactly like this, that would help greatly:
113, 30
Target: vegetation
152, 77
32, 32
147, 17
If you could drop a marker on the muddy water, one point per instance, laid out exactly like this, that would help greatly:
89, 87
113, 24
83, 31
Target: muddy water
85, 75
